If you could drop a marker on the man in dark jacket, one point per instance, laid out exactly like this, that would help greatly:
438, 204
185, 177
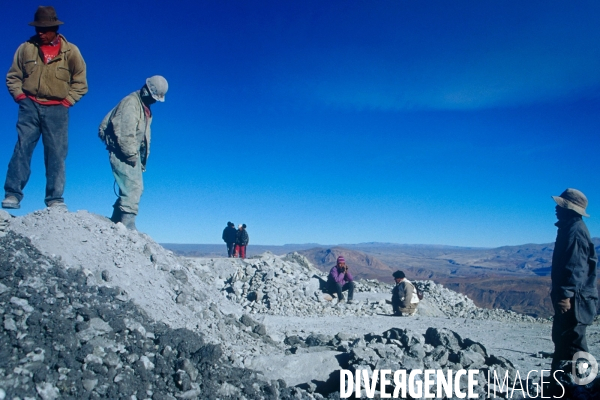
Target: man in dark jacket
574, 293
229, 235
340, 280
241, 241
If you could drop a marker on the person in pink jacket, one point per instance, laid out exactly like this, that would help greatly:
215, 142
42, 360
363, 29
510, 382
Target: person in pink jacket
340, 279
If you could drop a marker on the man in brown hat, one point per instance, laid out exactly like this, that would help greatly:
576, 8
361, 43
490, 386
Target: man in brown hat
574, 293
46, 78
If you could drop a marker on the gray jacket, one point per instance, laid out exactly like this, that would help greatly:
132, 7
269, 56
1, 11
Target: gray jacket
574, 268
404, 294
126, 128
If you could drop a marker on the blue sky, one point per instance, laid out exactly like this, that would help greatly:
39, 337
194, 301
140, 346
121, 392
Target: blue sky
330, 122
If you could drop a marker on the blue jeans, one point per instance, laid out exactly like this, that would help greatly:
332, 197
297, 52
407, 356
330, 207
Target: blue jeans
52, 124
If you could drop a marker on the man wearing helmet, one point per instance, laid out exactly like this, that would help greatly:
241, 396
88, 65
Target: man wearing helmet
126, 132
46, 78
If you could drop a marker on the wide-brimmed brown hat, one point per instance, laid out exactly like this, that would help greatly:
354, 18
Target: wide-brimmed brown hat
574, 200
45, 17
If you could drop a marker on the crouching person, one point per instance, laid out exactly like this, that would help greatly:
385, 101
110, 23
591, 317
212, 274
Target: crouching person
340, 280
404, 296
126, 132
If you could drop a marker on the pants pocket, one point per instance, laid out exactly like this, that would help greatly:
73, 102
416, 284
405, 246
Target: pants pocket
585, 308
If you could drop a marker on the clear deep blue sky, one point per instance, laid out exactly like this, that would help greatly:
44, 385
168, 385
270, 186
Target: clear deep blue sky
405, 121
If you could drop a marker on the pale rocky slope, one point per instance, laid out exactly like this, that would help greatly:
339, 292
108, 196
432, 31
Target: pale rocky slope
268, 314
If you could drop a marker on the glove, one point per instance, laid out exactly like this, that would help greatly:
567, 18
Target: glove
564, 305
132, 160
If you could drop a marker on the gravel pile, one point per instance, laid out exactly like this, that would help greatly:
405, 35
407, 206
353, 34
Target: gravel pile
64, 337
179, 292
438, 349
457, 305
395, 349
290, 285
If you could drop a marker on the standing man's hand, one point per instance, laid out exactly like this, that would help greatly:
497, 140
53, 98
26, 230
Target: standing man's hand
132, 160
564, 305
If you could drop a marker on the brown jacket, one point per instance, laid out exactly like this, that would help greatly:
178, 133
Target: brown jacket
62, 78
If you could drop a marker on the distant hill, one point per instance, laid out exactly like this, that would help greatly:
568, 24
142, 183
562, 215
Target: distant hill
362, 265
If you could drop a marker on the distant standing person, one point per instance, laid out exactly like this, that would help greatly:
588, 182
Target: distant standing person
229, 236
46, 78
126, 132
574, 293
340, 280
241, 241
404, 296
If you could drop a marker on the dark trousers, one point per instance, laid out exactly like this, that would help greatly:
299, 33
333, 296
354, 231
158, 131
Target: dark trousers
240, 251
51, 123
568, 336
335, 287
230, 249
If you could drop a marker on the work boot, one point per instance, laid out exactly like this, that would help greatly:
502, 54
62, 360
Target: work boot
59, 204
128, 220
116, 215
11, 202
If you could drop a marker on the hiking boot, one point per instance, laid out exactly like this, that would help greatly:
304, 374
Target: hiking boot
128, 220
58, 204
116, 215
11, 202
350, 301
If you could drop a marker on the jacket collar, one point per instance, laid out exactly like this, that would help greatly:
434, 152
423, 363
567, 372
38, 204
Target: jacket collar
567, 222
64, 44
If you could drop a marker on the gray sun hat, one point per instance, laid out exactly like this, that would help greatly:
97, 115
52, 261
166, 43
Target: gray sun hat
574, 200
45, 17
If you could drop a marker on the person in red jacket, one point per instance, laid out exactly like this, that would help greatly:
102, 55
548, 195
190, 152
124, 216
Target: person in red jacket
241, 241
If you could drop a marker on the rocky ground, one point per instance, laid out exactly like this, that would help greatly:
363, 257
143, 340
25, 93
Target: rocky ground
91, 310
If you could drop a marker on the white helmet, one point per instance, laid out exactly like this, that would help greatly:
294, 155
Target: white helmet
158, 87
